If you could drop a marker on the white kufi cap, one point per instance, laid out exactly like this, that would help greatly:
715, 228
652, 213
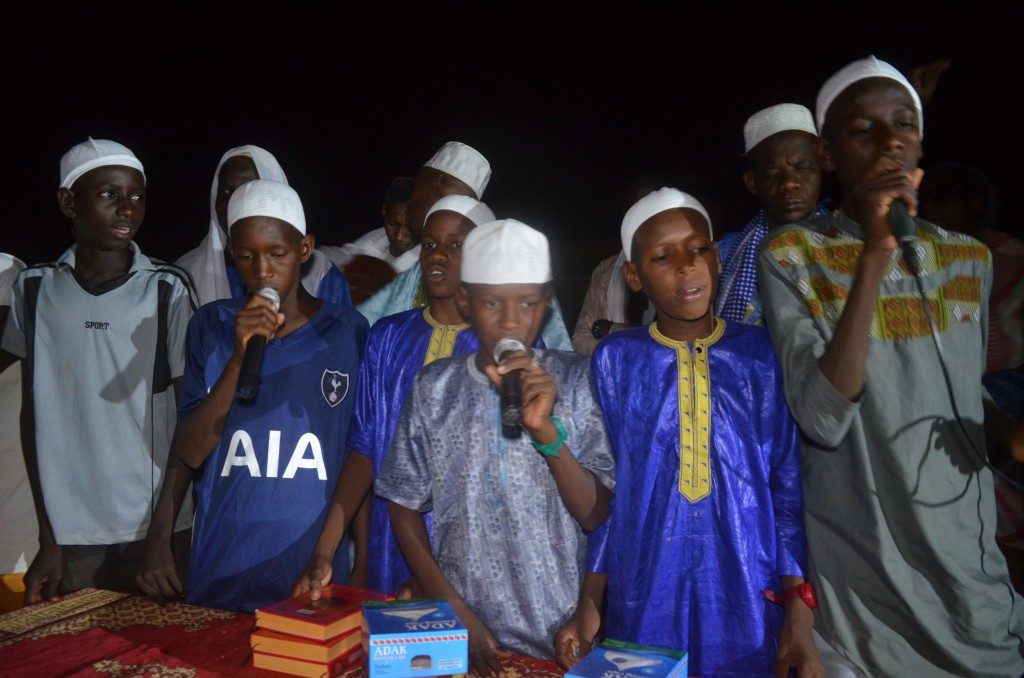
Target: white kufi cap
862, 70
505, 252
464, 163
474, 210
656, 203
93, 153
262, 198
775, 119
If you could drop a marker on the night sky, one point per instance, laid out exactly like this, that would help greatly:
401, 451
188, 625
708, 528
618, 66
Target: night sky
568, 106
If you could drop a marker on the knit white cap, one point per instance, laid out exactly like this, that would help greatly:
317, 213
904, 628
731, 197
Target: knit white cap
775, 119
505, 252
263, 198
656, 203
862, 70
464, 163
474, 210
93, 153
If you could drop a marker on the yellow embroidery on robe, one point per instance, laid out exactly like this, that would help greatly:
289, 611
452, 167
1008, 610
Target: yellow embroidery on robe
442, 339
694, 394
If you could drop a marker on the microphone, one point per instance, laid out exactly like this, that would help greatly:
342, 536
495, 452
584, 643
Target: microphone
511, 391
252, 361
905, 232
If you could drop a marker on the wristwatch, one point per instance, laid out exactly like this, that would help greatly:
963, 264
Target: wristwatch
804, 592
600, 328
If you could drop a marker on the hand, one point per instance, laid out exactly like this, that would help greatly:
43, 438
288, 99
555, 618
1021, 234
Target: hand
539, 392
316, 575
796, 644
884, 183
575, 639
44, 574
158, 576
483, 648
257, 317
409, 590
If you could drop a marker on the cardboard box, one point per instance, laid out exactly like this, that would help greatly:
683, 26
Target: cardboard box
414, 638
626, 660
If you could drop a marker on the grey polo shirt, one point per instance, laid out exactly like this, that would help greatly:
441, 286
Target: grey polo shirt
101, 359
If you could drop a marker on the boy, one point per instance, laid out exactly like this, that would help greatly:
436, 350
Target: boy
455, 169
397, 347
781, 147
509, 513
266, 466
900, 514
707, 512
101, 333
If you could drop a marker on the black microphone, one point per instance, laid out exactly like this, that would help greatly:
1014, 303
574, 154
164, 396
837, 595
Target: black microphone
252, 361
511, 391
905, 232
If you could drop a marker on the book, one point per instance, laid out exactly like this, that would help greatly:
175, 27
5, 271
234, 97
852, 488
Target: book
338, 611
415, 638
296, 647
301, 667
627, 660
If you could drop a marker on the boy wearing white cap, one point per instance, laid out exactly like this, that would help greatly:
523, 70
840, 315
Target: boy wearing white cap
267, 464
397, 348
781, 147
455, 169
706, 520
900, 512
101, 332
510, 510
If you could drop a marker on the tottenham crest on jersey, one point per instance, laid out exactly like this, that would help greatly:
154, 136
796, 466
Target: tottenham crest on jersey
334, 386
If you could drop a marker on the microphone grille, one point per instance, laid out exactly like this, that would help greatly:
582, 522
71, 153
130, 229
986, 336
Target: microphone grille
271, 295
507, 345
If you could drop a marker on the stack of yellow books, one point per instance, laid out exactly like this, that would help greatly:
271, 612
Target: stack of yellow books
312, 638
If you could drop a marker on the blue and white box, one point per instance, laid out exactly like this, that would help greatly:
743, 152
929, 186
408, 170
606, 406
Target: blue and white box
411, 638
626, 660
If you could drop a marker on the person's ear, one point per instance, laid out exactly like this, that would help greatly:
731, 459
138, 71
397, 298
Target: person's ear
632, 278
825, 156
307, 246
383, 211
718, 259
462, 300
66, 202
748, 181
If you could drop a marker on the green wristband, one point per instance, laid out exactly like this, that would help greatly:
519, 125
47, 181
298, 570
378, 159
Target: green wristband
551, 449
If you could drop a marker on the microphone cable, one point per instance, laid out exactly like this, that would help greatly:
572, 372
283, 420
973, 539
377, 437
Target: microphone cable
913, 261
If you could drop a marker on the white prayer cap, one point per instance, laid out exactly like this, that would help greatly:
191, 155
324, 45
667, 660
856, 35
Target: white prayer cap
474, 210
464, 163
262, 198
656, 203
93, 153
775, 119
505, 252
862, 70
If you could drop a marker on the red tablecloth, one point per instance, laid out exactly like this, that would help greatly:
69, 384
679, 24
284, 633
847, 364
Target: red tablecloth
106, 634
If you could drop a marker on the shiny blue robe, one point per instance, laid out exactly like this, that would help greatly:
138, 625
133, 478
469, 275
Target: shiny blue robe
696, 532
396, 349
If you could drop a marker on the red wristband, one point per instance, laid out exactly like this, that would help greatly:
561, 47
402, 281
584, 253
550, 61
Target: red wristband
804, 592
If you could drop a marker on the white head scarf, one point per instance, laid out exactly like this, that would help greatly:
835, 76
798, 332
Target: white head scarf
465, 163
474, 210
775, 119
656, 203
93, 153
206, 262
505, 252
862, 70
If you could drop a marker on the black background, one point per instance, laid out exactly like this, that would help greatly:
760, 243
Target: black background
568, 104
